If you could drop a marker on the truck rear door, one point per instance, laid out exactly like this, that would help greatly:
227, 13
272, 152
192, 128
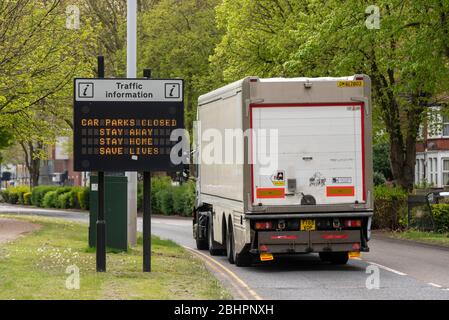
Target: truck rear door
319, 157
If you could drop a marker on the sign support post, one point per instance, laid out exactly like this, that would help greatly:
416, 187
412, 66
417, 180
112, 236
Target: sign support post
147, 209
101, 221
147, 221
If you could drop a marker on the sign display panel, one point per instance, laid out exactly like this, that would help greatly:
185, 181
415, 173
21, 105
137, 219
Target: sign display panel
126, 124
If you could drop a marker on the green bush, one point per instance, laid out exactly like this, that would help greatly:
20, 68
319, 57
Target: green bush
390, 207
38, 193
157, 184
441, 217
14, 195
5, 195
379, 179
165, 200
50, 199
63, 200
27, 198
73, 198
83, 198
184, 199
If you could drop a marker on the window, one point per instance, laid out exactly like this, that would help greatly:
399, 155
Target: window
445, 172
433, 171
445, 125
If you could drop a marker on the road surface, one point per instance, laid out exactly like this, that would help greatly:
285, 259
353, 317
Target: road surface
406, 270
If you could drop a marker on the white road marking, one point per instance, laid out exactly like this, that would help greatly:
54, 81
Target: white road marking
435, 285
388, 269
229, 272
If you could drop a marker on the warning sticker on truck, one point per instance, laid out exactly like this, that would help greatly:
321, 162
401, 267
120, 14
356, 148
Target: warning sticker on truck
350, 84
270, 193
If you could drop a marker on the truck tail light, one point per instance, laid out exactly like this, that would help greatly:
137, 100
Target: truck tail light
353, 223
264, 225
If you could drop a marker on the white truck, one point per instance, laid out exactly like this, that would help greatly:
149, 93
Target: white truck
315, 195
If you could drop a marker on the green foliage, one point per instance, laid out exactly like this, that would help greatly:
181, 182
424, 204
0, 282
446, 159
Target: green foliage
165, 198
5, 195
390, 207
168, 199
381, 160
50, 199
83, 198
441, 217
184, 199
63, 200
330, 38
27, 199
389, 193
15, 195
379, 179
38, 193
179, 37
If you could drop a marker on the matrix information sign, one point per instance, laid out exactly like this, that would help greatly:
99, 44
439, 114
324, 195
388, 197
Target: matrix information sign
126, 124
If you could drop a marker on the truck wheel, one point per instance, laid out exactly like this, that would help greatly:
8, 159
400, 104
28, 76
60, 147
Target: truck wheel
201, 244
215, 249
230, 245
337, 258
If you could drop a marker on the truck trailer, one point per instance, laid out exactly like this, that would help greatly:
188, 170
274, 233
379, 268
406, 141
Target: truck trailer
314, 195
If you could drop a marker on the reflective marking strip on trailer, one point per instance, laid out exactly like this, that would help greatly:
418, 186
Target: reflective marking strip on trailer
348, 191
270, 193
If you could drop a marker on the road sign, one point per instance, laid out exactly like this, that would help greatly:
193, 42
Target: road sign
126, 124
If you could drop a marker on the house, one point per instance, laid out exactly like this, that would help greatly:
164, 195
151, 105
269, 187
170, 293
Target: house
432, 152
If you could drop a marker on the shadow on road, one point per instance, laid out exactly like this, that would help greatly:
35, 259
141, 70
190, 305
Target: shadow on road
310, 262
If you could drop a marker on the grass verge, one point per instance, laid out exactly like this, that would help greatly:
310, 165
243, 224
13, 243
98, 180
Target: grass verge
34, 267
441, 239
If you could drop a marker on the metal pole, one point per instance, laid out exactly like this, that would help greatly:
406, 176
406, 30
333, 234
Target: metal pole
101, 226
147, 209
147, 222
101, 221
131, 62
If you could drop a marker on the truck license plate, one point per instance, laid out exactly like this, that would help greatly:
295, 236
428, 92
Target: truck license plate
308, 225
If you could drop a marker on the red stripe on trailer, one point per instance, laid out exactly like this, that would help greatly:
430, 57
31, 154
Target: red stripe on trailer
322, 104
284, 237
334, 236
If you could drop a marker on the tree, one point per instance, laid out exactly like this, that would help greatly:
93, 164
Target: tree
39, 57
177, 39
406, 58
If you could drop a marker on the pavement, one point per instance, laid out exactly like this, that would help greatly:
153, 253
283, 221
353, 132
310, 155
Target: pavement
393, 270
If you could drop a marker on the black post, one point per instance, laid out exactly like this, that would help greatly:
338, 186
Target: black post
147, 222
147, 210
101, 226
101, 221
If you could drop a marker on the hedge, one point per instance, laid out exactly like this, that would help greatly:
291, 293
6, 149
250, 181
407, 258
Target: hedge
48, 196
167, 199
441, 217
390, 207
14, 195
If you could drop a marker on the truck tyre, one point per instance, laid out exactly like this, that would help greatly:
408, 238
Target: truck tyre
215, 249
201, 244
230, 245
336, 258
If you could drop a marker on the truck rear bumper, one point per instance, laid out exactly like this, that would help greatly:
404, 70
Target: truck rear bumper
309, 241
